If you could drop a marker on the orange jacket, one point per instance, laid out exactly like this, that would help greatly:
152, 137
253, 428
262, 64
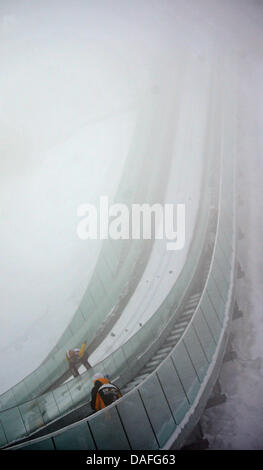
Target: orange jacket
97, 402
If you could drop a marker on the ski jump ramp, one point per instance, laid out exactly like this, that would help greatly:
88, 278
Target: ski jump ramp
168, 367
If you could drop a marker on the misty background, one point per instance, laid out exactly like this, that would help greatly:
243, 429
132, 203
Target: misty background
72, 79
72, 76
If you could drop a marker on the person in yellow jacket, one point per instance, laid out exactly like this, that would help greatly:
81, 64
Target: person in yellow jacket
75, 357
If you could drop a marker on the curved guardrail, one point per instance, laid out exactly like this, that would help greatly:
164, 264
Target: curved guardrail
162, 410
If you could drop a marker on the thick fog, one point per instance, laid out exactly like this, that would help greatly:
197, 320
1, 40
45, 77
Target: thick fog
72, 79
72, 76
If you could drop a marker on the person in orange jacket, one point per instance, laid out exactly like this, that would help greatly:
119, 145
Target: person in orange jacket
103, 393
75, 357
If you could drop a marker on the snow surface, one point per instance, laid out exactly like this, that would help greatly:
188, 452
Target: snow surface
164, 266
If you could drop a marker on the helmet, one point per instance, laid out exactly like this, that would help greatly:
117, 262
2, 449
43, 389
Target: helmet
98, 376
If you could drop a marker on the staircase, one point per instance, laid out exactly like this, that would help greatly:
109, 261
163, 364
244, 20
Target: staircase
168, 344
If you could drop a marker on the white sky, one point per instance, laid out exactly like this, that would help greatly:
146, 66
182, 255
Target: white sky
67, 70
70, 81
65, 126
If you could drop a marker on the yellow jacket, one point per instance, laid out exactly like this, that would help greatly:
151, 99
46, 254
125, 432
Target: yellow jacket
82, 349
78, 352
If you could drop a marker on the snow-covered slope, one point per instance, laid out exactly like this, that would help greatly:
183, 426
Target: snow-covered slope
183, 187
